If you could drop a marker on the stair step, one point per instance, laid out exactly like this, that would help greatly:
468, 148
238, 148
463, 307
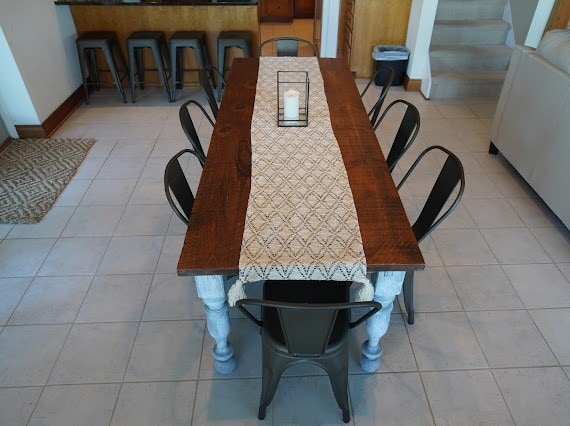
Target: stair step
470, 9
451, 85
470, 32
465, 58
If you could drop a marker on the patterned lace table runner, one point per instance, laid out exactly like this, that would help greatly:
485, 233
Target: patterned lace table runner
301, 222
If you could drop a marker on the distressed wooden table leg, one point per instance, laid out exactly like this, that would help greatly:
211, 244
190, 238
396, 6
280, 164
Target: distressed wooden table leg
387, 285
211, 290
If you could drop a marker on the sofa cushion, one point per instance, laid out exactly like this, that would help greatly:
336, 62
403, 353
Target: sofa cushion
555, 48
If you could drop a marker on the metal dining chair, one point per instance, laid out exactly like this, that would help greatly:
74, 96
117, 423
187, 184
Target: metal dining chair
406, 134
288, 46
206, 77
389, 78
449, 177
306, 322
178, 192
190, 130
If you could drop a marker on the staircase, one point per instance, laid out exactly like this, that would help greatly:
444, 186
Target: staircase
468, 55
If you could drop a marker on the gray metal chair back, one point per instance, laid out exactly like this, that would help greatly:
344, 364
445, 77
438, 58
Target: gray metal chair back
288, 46
406, 134
306, 321
451, 175
176, 188
190, 130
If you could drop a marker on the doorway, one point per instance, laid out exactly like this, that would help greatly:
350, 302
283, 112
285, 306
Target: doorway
298, 23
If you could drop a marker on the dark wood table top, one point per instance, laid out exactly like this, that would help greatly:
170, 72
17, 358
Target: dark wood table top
213, 239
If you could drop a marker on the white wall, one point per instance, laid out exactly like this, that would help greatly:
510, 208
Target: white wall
17, 107
41, 38
522, 12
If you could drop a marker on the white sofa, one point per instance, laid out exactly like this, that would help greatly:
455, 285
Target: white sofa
531, 126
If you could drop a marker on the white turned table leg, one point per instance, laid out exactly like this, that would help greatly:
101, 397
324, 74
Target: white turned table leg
387, 286
211, 290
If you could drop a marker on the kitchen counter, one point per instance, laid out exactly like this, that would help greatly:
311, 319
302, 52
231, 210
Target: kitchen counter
157, 2
210, 16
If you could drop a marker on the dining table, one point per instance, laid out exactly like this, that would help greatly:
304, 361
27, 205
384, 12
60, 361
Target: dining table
213, 242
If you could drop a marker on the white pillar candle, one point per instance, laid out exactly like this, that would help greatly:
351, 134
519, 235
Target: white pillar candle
291, 105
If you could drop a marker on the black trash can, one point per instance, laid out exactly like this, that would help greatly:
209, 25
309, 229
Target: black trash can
396, 57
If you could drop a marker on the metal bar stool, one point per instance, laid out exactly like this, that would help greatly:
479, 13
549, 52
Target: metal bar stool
87, 45
195, 40
156, 41
241, 39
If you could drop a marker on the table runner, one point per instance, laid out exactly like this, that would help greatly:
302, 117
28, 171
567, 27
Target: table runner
301, 221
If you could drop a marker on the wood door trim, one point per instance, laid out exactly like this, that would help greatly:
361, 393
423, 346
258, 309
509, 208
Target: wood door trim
559, 16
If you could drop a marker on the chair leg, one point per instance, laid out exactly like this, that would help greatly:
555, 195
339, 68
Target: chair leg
132, 68
180, 70
175, 68
121, 58
409, 295
246, 49
199, 57
109, 57
339, 383
83, 68
221, 66
270, 380
122, 64
167, 70
337, 370
140, 66
93, 69
207, 61
160, 57
273, 367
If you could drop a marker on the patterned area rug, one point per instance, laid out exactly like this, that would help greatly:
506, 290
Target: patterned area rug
33, 172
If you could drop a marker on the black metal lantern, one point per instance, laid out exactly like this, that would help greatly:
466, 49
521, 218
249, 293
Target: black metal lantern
292, 98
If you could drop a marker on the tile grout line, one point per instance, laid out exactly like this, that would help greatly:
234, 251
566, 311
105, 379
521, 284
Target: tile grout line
132, 347
418, 366
490, 368
61, 349
49, 375
145, 302
29, 285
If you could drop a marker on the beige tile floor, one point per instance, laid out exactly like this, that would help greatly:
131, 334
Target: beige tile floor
96, 328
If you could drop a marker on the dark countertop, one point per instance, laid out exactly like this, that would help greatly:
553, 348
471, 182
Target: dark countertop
157, 2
